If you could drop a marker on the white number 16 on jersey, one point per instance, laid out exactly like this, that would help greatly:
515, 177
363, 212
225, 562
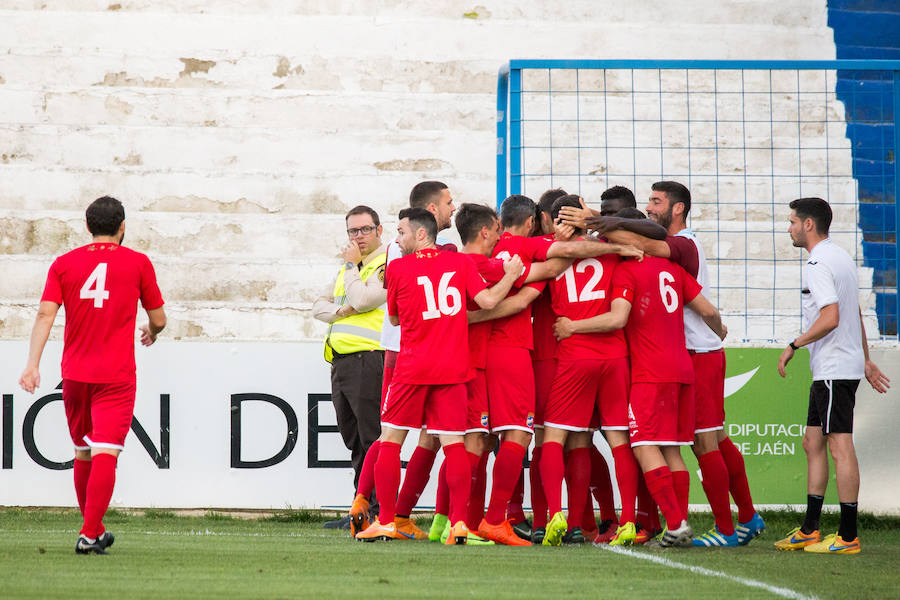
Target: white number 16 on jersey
449, 300
94, 287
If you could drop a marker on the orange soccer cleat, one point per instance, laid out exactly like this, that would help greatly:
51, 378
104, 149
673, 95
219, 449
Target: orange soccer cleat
408, 529
359, 515
501, 534
378, 532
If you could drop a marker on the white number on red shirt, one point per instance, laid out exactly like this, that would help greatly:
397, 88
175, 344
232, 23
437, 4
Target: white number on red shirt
449, 300
590, 291
94, 287
667, 292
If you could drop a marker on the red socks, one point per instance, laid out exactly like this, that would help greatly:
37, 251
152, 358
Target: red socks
660, 486
514, 509
387, 480
627, 478
507, 467
82, 470
418, 471
737, 479
459, 480
715, 484
367, 474
601, 486
442, 497
538, 500
98, 493
553, 471
578, 481
681, 481
647, 513
476, 495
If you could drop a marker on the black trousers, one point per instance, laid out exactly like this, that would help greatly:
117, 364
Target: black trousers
356, 394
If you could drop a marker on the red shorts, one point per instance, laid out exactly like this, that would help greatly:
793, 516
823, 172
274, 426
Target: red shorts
709, 390
478, 419
662, 414
390, 361
544, 372
440, 408
510, 383
585, 387
99, 414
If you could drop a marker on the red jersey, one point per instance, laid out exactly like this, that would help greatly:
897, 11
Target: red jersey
582, 291
427, 291
658, 290
491, 270
100, 285
545, 343
515, 330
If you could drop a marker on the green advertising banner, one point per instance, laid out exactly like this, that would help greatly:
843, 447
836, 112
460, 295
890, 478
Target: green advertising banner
766, 419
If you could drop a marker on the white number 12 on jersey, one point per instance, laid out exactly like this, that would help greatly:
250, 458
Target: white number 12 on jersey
94, 287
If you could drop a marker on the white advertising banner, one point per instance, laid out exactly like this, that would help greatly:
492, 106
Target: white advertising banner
242, 425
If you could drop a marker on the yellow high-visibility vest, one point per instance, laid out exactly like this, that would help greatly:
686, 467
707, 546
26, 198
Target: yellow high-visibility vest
356, 333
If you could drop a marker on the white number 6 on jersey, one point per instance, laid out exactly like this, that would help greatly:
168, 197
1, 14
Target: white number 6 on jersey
667, 292
97, 281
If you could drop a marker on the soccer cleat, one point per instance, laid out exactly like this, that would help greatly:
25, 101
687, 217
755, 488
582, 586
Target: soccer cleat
537, 535
86, 545
438, 524
502, 533
625, 535
590, 535
106, 538
476, 540
445, 533
644, 536
797, 540
751, 529
359, 515
522, 529
606, 532
677, 537
714, 538
408, 529
458, 535
573, 537
556, 529
376, 531
834, 544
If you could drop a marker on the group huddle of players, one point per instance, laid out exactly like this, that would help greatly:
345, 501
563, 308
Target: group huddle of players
537, 330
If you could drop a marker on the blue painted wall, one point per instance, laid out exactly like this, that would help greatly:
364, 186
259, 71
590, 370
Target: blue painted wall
870, 29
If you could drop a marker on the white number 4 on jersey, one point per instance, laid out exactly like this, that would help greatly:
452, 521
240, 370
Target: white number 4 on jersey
94, 287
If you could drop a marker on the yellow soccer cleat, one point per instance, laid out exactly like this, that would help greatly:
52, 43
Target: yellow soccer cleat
625, 535
556, 529
408, 529
359, 515
797, 540
834, 544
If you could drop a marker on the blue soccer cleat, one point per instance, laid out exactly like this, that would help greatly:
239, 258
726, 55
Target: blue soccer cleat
749, 530
716, 539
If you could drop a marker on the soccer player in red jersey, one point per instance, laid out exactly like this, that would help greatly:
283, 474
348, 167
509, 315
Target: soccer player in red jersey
99, 285
648, 299
427, 290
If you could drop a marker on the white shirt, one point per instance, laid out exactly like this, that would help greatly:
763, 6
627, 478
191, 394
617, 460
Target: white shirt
829, 276
697, 334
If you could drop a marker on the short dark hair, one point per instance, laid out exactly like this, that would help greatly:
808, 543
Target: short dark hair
104, 216
363, 210
515, 210
675, 192
419, 217
630, 212
545, 204
424, 193
470, 218
619, 192
816, 209
567, 200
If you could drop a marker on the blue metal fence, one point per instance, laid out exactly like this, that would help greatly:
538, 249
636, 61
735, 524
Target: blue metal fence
747, 137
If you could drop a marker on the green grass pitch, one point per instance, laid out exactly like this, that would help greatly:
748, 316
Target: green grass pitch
161, 555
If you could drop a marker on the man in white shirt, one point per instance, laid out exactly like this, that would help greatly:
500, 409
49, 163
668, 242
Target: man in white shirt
838, 358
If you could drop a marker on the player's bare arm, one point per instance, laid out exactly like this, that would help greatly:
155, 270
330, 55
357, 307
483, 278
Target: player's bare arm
491, 297
31, 377
616, 318
591, 248
710, 315
507, 307
878, 380
548, 269
156, 323
642, 227
828, 320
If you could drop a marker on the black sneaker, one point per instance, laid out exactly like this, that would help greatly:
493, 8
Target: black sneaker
523, 530
537, 536
342, 523
84, 545
573, 536
106, 539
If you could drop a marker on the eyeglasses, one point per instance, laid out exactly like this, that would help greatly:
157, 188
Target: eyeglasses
355, 231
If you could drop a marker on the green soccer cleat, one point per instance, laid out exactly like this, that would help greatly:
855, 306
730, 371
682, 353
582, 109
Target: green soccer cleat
625, 535
556, 529
438, 525
446, 532
537, 535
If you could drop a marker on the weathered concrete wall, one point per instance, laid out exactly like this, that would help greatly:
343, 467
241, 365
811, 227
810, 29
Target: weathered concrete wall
237, 134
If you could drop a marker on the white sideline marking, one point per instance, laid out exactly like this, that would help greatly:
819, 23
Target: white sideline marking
778, 591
